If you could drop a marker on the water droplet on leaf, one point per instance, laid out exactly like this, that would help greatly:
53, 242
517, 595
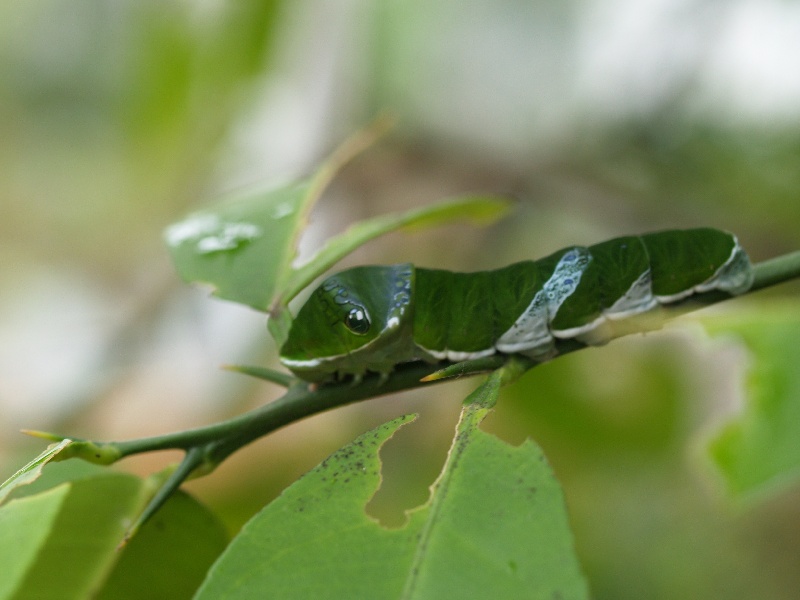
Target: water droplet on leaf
210, 234
230, 237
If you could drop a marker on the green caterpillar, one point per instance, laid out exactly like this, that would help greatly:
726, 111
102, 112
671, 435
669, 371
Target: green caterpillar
375, 317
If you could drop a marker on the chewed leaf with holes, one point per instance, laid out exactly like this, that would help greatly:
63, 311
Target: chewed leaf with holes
494, 527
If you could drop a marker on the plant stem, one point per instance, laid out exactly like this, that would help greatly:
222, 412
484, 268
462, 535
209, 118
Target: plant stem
776, 270
206, 447
300, 401
193, 459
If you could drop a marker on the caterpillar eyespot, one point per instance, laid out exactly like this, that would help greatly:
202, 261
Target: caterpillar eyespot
357, 321
373, 318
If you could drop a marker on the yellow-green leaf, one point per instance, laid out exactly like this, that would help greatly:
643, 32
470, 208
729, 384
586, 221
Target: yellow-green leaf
495, 527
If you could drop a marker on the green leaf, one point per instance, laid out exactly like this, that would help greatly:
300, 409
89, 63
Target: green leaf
76, 542
174, 549
101, 454
31, 472
494, 527
243, 248
759, 449
24, 528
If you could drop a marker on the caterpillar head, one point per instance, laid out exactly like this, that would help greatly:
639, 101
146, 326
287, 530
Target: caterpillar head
356, 321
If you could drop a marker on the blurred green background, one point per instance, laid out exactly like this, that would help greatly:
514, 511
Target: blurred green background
601, 118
